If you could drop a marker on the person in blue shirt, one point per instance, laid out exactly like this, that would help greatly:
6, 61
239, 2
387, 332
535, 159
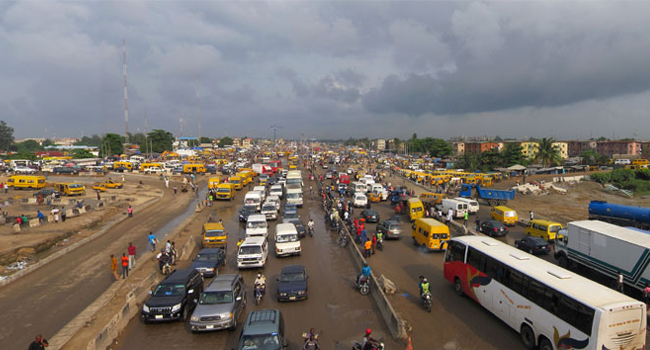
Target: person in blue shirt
365, 271
152, 241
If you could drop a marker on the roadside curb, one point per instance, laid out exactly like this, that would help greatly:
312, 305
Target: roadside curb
72, 247
134, 297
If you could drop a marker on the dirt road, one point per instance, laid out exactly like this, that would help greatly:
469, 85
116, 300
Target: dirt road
47, 299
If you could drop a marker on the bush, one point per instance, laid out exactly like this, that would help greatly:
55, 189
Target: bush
638, 186
642, 174
621, 176
601, 178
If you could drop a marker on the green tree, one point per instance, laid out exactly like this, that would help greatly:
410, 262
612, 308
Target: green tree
82, 153
205, 139
6, 136
438, 147
396, 144
547, 153
512, 154
94, 141
138, 139
490, 159
160, 140
28, 146
601, 178
348, 142
621, 176
225, 141
469, 162
642, 174
112, 144
47, 142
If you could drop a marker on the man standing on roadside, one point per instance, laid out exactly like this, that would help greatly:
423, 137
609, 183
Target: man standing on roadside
466, 219
129, 211
114, 267
39, 344
62, 214
532, 215
125, 266
368, 246
131, 250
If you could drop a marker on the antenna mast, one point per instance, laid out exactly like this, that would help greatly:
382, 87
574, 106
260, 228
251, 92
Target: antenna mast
198, 105
126, 98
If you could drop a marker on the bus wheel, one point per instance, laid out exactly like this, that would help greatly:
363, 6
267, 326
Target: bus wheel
458, 287
562, 261
545, 344
527, 337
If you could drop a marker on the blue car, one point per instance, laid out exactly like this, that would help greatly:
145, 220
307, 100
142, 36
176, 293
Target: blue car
208, 260
292, 283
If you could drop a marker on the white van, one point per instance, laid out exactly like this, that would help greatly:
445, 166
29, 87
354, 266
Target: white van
276, 190
253, 198
253, 252
472, 205
359, 187
286, 240
360, 200
622, 162
294, 196
256, 225
261, 190
459, 208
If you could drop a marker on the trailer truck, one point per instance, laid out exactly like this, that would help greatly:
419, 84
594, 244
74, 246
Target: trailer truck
605, 248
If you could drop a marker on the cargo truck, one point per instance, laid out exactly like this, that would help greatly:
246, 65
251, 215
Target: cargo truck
605, 248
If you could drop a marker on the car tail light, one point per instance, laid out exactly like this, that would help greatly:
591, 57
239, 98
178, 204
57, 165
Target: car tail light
495, 229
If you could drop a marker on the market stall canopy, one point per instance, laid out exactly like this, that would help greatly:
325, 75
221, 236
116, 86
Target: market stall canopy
517, 167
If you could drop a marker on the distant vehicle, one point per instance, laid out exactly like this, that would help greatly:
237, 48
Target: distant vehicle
208, 260
24, 170
113, 184
370, 215
270, 211
300, 227
360, 200
263, 327
533, 245
619, 214
390, 228
220, 305
493, 228
292, 283
47, 192
174, 297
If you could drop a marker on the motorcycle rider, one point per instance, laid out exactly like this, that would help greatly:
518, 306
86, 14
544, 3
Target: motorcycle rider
163, 259
369, 343
311, 344
310, 225
424, 286
260, 281
365, 271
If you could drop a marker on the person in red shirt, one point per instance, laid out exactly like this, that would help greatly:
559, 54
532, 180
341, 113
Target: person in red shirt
374, 243
131, 250
125, 266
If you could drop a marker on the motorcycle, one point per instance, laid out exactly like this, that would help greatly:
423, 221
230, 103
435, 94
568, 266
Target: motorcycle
343, 239
259, 293
363, 285
305, 336
426, 301
310, 231
379, 345
380, 244
334, 225
166, 269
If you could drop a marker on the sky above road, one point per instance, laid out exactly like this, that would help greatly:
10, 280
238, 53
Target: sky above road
327, 69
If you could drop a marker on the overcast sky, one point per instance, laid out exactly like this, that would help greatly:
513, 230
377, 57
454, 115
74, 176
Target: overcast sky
328, 69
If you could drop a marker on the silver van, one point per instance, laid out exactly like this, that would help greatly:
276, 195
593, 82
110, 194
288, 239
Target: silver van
220, 305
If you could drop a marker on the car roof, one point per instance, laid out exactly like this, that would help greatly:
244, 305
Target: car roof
179, 276
213, 226
209, 250
293, 269
257, 217
255, 240
262, 322
221, 282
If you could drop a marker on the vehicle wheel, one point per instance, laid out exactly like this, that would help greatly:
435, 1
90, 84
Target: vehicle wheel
458, 287
234, 324
186, 314
562, 261
365, 290
527, 337
545, 344
429, 307
414, 241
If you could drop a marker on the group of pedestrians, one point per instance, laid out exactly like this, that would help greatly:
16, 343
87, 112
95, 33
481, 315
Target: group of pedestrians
126, 262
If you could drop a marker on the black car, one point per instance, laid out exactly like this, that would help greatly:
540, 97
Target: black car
493, 228
533, 245
174, 297
292, 283
245, 211
208, 260
390, 228
48, 192
300, 228
272, 181
212, 169
370, 215
65, 170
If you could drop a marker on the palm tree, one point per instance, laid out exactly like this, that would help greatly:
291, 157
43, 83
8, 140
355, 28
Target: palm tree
547, 152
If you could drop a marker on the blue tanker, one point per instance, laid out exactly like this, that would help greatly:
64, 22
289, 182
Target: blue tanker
620, 214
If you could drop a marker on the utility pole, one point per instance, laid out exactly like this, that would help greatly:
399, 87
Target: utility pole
126, 96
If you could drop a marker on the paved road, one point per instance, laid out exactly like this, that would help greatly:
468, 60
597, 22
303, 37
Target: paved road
334, 307
47, 299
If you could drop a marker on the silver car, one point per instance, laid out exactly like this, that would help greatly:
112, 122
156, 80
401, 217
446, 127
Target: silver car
270, 211
220, 305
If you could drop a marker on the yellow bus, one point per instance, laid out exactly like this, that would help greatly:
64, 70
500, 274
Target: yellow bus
213, 182
127, 165
430, 234
26, 181
194, 168
236, 181
416, 209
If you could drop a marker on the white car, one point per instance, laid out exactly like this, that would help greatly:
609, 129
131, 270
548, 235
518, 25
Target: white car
360, 200
275, 200
24, 170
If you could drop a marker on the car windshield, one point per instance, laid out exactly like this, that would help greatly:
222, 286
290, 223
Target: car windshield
292, 277
245, 250
166, 290
261, 342
286, 238
210, 298
206, 257
214, 233
270, 207
293, 195
256, 224
291, 215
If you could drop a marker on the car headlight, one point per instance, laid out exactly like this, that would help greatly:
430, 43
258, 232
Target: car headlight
302, 292
195, 318
226, 315
177, 307
145, 308
210, 269
283, 294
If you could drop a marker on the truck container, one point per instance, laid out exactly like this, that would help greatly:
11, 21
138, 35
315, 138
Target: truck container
620, 214
605, 248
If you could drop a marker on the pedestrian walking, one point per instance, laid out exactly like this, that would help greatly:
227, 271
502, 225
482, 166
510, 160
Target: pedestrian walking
478, 225
125, 266
166, 182
99, 198
114, 267
466, 219
131, 250
374, 243
175, 190
63, 214
39, 343
152, 241
129, 210
368, 247
40, 216
55, 213
174, 253
123, 178
532, 215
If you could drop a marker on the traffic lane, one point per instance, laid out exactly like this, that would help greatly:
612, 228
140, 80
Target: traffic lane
456, 322
54, 294
332, 306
